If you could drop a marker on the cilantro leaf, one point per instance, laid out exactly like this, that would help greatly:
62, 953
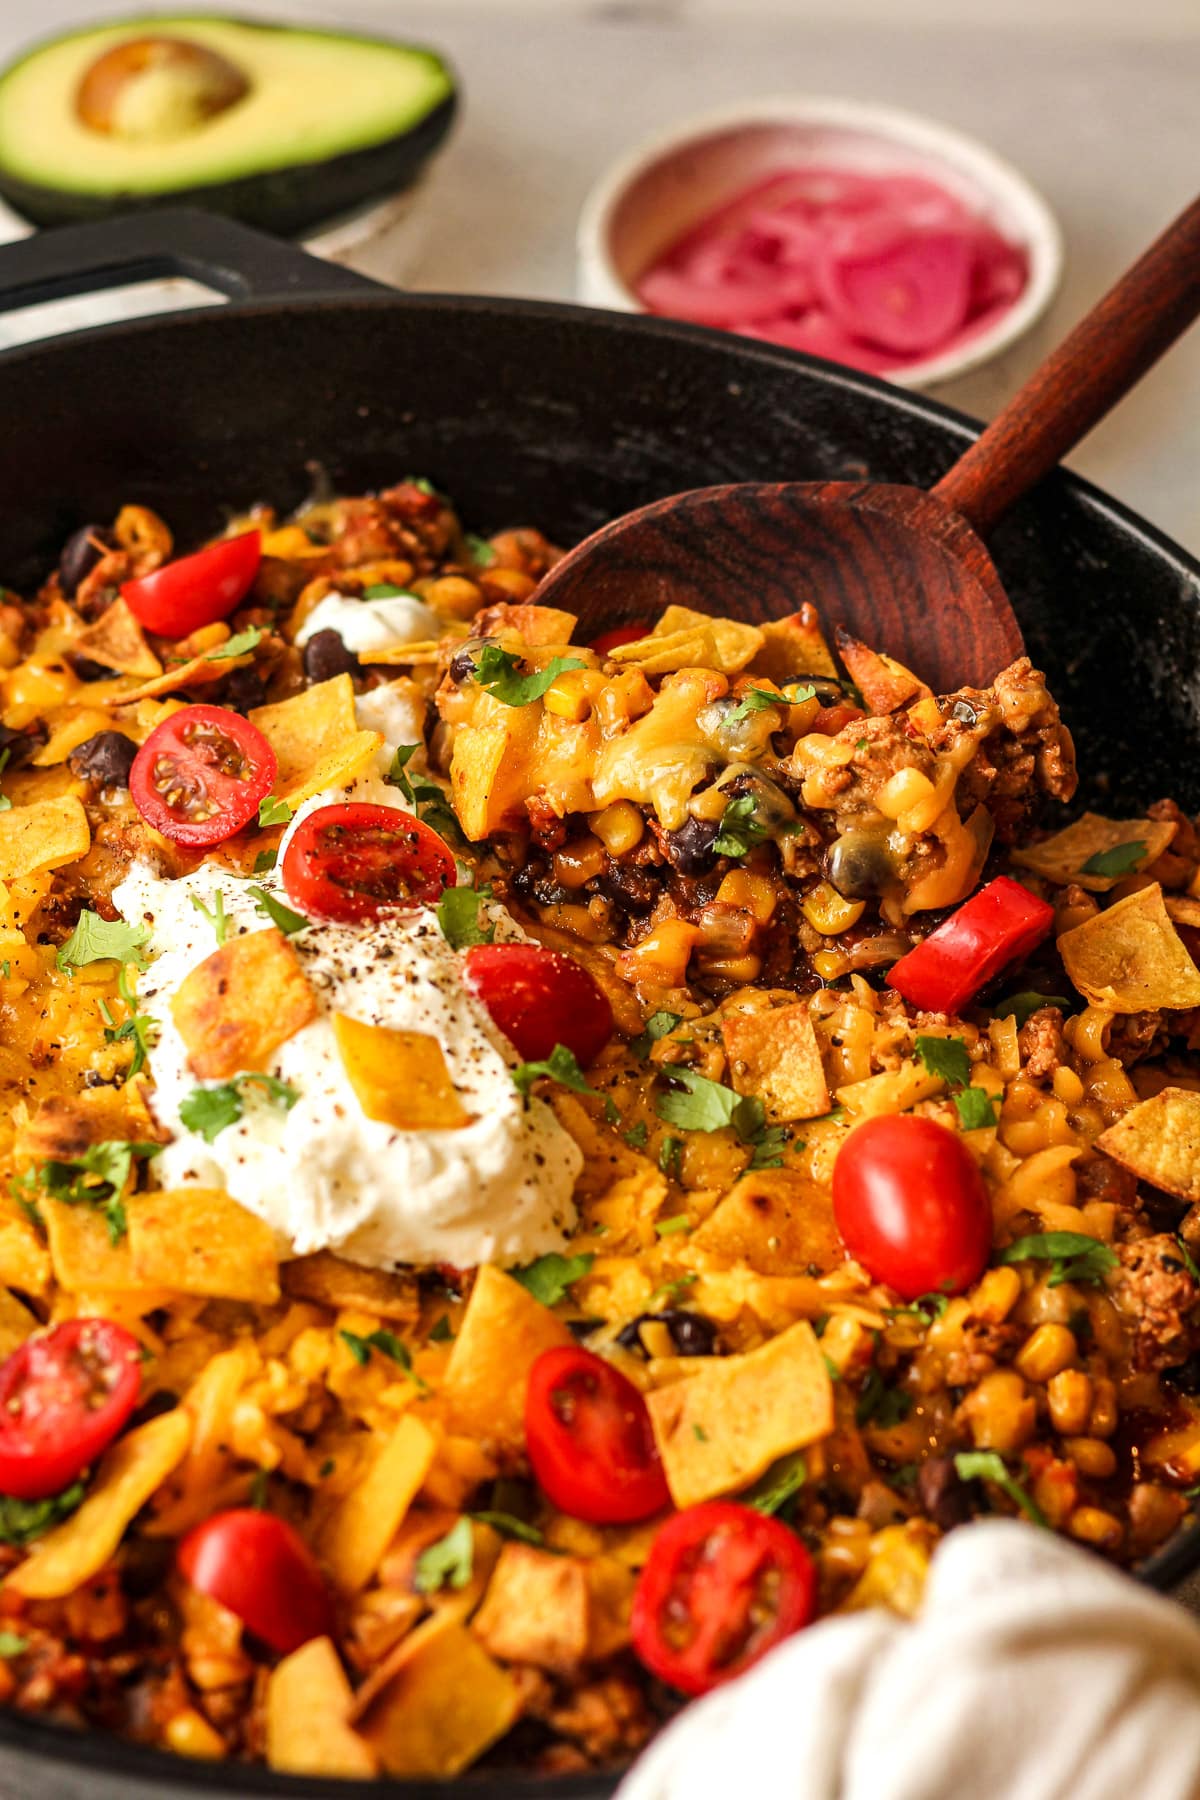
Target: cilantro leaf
95, 1178
139, 1028
879, 1404
636, 1136
358, 1347
740, 831
658, 1025
549, 1278
499, 672
426, 798
211, 1110
273, 811
669, 1153
422, 484
758, 700
280, 915
509, 1526
924, 1309
103, 940
1023, 1006
479, 550
1189, 1261
988, 1465
702, 1105
265, 861
1122, 859
22, 1521
668, 1227
781, 1483
562, 1066
671, 1291
1073, 1255
239, 645
975, 1108
441, 1332
215, 914
12, 1645
458, 914
768, 1148
946, 1057
449, 1562
387, 590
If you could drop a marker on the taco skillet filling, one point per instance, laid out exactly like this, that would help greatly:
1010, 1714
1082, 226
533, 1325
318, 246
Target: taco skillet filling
532, 1170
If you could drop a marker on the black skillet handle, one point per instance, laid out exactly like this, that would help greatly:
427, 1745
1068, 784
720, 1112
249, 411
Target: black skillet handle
220, 254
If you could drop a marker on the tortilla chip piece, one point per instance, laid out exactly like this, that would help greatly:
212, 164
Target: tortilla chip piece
128, 1474
308, 1706
24, 1259
316, 739
1183, 910
537, 625
720, 1429
400, 1077
236, 1007
661, 654
1130, 958
117, 641
70, 730
199, 1241
45, 835
1159, 1140
794, 647
503, 1332
773, 1052
84, 1256
359, 1531
490, 771
884, 684
537, 1610
1061, 858
438, 1704
347, 1286
736, 643
197, 672
776, 1221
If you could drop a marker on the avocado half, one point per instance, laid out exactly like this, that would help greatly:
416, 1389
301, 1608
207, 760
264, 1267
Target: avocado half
327, 120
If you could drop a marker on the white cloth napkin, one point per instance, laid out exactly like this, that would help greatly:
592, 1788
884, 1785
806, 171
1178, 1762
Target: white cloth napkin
1034, 1672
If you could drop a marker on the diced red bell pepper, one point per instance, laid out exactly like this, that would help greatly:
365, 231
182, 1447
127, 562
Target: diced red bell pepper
997, 926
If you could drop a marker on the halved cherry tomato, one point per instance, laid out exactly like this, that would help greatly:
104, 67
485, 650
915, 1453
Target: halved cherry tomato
261, 1569
64, 1395
911, 1206
829, 720
620, 634
200, 775
196, 590
352, 862
539, 998
1000, 924
590, 1440
722, 1585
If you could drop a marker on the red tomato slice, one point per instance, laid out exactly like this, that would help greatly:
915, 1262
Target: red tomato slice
354, 862
197, 590
261, 1569
64, 1396
620, 634
539, 998
590, 1440
999, 925
200, 775
722, 1585
911, 1206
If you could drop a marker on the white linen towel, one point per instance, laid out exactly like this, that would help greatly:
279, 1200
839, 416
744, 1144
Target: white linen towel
1034, 1672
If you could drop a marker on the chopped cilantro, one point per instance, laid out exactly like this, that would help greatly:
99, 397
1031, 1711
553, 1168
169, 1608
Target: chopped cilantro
21, 1521
214, 914
707, 1105
139, 1028
768, 1150
988, 1465
670, 1291
831, 1368
11, 1644
103, 940
946, 1057
265, 861
549, 1278
975, 1108
669, 1227
5, 968
562, 1066
1122, 859
479, 550
240, 644
259, 1484
96, 1178
509, 1526
879, 1404
426, 798
387, 590
458, 915
1023, 1006
1189, 1261
212, 1110
282, 916
758, 700
441, 1332
422, 484
273, 811
1072, 1254
924, 1309
740, 831
699, 1433
388, 1344
669, 1153
636, 1136
498, 671
781, 1483
449, 1562
658, 1025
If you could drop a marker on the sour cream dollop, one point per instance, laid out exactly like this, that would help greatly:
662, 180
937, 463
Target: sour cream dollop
366, 625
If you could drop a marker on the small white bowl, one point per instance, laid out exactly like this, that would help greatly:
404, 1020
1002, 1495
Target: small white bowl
664, 187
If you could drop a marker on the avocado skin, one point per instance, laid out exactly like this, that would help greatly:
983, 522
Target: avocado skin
286, 201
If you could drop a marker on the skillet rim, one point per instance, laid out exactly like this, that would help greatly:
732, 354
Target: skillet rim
160, 1775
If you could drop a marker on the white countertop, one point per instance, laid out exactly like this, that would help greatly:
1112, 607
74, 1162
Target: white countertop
1095, 99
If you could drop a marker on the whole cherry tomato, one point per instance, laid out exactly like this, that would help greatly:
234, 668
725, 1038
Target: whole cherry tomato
590, 1440
352, 862
64, 1396
999, 925
258, 1567
911, 1206
200, 775
609, 641
722, 1585
539, 998
196, 590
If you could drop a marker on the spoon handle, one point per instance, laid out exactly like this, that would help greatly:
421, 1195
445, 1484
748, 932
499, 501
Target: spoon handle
1106, 354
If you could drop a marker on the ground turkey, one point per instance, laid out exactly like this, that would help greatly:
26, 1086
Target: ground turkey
1160, 1301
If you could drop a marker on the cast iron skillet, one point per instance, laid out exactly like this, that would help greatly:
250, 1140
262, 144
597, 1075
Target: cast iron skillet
525, 413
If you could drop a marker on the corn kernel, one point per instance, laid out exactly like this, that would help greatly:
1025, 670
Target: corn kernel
902, 791
1104, 1408
1092, 1456
568, 695
1050, 1350
827, 912
996, 1294
749, 893
829, 964
1067, 1086
190, 1734
620, 827
734, 968
1093, 1526
1001, 1414
1070, 1399
510, 584
579, 862
661, 959
454, 597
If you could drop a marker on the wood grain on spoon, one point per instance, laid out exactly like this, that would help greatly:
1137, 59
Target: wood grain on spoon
900, 568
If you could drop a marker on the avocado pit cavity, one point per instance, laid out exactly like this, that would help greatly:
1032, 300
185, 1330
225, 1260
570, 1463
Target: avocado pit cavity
153, 89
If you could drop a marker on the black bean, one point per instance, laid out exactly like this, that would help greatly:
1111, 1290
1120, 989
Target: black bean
860, 864
325, 655
690, 849
942, 1492
243, 691
87, 670
636, 890
462, 663
22, 744
105, 759
691, 1333
81, 552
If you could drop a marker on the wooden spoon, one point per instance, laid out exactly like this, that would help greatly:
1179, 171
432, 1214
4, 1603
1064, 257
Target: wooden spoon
902, 569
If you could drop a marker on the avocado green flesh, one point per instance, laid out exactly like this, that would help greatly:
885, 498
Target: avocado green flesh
340, 117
